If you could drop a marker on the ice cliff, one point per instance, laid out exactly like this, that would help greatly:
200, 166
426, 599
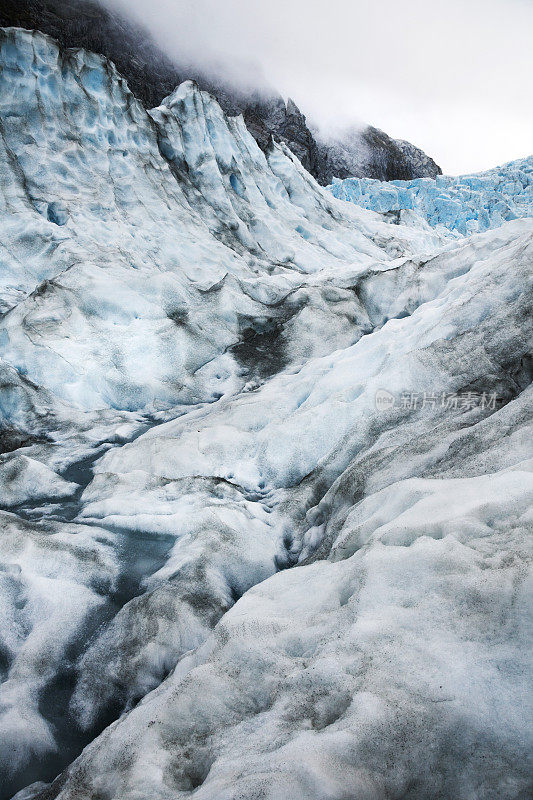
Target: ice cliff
266, 484
466, 204
151, 75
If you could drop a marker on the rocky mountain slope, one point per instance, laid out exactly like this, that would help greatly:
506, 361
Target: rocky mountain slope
151, 76
266, 490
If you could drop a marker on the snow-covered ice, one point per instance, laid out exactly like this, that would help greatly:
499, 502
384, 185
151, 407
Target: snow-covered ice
234, 573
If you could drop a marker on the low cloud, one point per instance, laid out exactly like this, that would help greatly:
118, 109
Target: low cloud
452, 77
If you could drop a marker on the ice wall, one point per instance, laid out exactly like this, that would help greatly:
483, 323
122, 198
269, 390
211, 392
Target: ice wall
466, 204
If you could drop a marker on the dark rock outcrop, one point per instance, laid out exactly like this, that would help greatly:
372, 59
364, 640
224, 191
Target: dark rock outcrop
371, 153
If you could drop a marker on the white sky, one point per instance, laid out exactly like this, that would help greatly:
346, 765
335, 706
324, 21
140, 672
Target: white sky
451, 76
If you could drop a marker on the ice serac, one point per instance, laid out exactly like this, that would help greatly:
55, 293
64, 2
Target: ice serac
466, 204
233, 573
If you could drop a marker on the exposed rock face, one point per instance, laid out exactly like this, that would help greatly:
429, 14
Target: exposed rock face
370, 153
421, 165
227, 570
267, 119
152, 76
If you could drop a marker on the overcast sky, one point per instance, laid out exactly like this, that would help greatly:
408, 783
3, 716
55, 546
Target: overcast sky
451, 76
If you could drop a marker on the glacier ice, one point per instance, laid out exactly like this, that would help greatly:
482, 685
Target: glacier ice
108, 311
54, 578
24, 479
225, 571
465, 204
350, 678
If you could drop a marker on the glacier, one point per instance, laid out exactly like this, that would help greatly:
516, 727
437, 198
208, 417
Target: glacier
226, 571
464, 205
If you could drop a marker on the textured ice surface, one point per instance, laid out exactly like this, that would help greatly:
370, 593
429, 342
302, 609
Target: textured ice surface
161, 266
23, 479
388, 669
337, 669
465, 204
53, 578
217, 541
403, 664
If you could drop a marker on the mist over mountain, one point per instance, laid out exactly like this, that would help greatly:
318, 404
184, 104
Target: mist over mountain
152, 75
